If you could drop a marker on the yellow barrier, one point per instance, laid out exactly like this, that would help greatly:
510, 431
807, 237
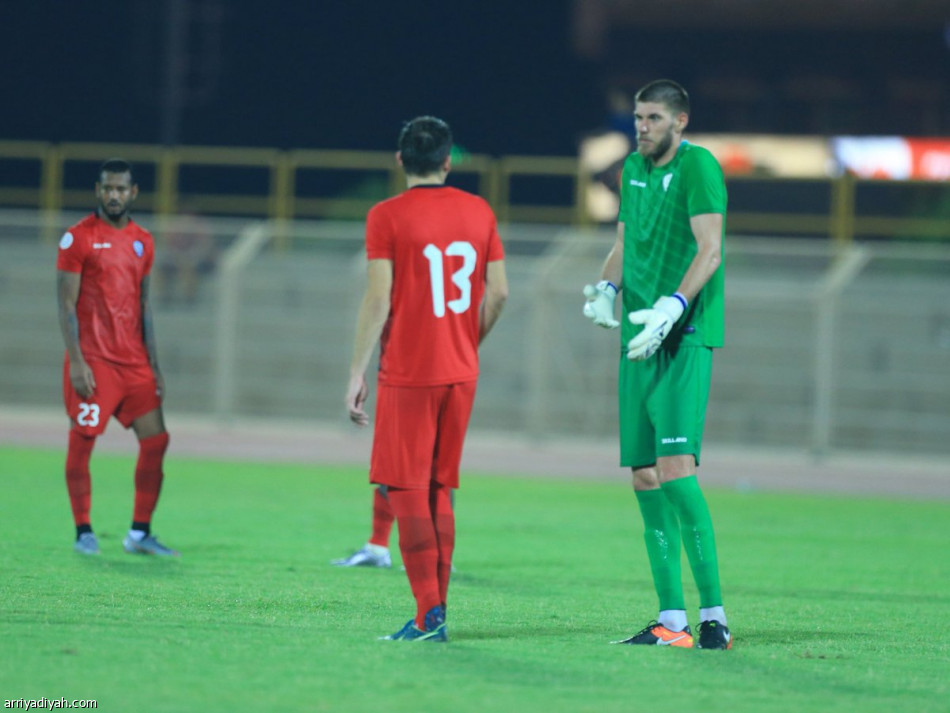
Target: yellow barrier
282, 200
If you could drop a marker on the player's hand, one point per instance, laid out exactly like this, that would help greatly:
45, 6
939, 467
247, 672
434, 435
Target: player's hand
657, 323
599, 307
82, 379
159, 384
356, 394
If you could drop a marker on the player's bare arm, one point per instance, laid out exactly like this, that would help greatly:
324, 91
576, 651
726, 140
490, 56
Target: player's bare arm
148, 336
707, 229
68, 285
613, 265
374, 311
496, 294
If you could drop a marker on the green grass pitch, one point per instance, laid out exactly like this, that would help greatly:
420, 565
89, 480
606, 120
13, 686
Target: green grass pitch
836, 603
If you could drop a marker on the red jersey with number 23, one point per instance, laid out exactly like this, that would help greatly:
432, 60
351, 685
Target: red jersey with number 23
112, 263
440, 240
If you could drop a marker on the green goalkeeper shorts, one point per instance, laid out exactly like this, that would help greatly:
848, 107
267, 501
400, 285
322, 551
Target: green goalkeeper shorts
663, 405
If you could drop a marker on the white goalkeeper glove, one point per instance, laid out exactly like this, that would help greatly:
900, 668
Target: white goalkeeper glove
600, 304
657, 323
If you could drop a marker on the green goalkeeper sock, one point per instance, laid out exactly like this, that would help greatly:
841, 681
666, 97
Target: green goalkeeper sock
698, 538
661, 532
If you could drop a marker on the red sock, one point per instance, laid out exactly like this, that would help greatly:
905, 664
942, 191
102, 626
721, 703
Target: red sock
382, 519
440, 504
417, 543
78, 482
148, 476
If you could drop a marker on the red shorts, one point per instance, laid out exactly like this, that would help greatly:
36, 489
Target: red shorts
419, 434
125, 392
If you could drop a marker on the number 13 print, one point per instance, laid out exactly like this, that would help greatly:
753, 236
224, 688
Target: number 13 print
461, 277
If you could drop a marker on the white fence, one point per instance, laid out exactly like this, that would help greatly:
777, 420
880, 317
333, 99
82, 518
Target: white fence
825, 350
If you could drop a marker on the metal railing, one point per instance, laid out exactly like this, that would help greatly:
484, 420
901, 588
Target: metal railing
23, 186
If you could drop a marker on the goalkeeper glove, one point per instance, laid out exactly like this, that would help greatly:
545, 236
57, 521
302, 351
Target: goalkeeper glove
657, 323
600, 304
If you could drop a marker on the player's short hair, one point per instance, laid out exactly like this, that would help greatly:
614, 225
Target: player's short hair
116, 165
665, 91
424, 144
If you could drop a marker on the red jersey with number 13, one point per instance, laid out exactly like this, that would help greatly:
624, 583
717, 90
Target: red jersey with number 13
440, 240
112, 263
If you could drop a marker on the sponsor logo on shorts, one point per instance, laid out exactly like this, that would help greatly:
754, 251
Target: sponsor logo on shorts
675, 439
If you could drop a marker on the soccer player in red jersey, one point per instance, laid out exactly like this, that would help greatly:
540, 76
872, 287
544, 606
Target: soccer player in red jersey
436, 287
111, 363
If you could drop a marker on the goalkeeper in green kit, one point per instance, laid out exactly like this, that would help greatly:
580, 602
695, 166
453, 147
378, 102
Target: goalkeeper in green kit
667, 262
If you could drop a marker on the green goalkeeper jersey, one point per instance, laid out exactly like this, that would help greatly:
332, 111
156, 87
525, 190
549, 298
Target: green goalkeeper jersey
656, 203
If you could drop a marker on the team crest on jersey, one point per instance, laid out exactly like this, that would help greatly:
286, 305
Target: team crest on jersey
667, 179
65, 241
138, 247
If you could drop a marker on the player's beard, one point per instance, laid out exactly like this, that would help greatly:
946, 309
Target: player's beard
114, 213
661, 147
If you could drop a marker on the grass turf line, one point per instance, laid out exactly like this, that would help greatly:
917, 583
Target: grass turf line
824, 595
